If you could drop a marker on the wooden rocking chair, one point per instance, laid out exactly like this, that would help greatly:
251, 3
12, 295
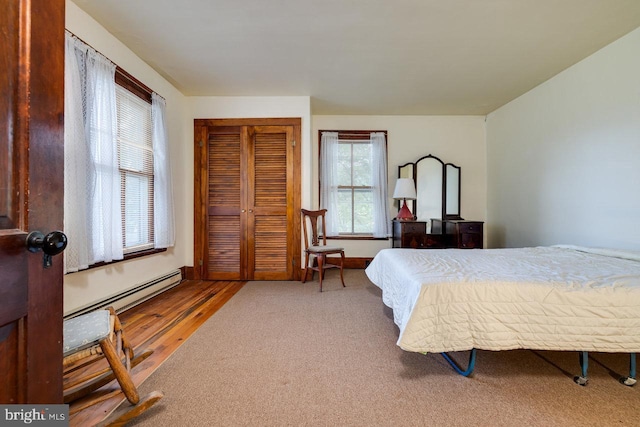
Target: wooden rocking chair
87, 338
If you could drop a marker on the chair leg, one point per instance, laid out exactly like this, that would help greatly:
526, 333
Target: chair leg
122, 343
321, 261
306, 267
341, 268
120, 371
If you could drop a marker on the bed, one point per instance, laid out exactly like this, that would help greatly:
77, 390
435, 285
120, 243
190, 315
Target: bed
565, 298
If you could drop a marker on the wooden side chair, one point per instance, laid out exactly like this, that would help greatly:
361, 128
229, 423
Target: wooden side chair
96, 336
313, 248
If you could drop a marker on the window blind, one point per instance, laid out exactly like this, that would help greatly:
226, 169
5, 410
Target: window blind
135, 159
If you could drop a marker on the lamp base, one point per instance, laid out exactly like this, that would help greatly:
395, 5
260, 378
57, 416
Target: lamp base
404, 214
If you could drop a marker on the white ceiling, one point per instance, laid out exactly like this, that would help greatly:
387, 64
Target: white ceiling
366, 56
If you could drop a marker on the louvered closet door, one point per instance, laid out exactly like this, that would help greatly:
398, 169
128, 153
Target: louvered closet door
251, 203
270, 222
224, 222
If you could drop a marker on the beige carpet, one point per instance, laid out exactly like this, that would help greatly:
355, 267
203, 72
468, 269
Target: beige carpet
283, 354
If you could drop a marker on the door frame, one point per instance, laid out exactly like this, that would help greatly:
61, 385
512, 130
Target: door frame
201, 196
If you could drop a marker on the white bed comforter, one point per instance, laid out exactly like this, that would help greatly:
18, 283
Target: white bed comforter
546, 298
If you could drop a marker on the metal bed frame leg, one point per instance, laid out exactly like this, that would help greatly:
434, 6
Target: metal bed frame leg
582, 380
584, 365
631, 379
458, 369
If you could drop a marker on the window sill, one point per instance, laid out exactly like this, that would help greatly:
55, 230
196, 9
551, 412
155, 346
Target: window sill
127, 257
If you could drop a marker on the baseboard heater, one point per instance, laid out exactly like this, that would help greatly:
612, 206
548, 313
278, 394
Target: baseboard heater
134, 296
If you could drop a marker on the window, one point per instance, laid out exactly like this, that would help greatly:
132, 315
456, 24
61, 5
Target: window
353, 182
135, 163
355, 198
118, 196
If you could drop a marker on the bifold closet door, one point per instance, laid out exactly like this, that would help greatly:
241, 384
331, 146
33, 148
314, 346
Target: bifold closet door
269, 218
224, 223
251, 199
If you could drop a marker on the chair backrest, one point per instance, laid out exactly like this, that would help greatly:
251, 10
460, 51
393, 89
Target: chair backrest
312, 217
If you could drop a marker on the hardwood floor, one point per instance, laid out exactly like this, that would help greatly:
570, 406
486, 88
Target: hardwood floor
160, 324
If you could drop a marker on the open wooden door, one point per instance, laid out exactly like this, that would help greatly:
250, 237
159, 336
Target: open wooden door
31, 198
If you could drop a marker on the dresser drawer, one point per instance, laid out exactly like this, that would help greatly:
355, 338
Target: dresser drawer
470, 227
434, 241
470, 241
412, 240
409, 234
414, 227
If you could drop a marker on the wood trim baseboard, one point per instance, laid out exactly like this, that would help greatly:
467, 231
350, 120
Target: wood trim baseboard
188, 273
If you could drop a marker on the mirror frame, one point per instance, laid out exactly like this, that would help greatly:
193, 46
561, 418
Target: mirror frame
410, 170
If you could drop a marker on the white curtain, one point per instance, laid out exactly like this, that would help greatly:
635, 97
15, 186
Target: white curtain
76, 159
101, 114
381, 227
329, 180
163, 215
92, 214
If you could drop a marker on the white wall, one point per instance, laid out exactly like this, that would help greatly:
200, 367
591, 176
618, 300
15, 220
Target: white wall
455, 139
564, 159
90, 285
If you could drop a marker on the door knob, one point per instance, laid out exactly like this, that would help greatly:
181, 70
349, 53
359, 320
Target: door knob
51, 244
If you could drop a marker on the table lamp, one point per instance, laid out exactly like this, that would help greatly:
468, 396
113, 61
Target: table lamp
405, 189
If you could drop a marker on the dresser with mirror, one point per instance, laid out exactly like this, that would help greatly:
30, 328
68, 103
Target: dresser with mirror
436, 222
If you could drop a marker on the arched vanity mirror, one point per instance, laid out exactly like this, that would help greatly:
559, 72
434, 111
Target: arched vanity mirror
437, 188
429, 188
